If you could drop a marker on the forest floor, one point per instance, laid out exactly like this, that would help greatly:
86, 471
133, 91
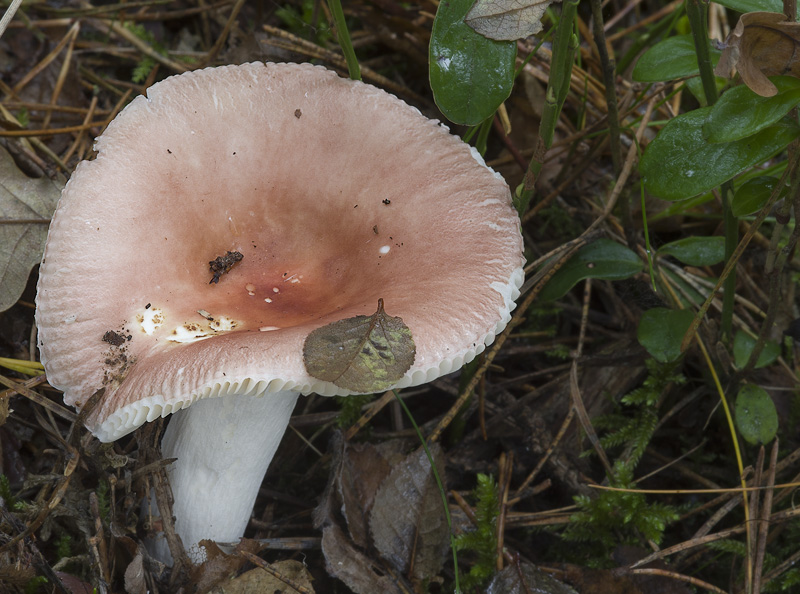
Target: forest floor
567, 404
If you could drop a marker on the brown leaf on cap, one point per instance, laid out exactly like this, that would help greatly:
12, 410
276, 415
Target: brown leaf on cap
762, 44
363, 353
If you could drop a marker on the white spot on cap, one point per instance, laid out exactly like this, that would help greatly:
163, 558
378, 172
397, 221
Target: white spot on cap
268, 328
251, 288
150, 320
268, 300
70, 319
276, 290
385, 249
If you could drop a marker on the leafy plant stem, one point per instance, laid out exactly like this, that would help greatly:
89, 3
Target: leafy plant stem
697, 12
439, 484
794, 159
564, 45
344, 39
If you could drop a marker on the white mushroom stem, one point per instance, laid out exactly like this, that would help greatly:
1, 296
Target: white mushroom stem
223, 447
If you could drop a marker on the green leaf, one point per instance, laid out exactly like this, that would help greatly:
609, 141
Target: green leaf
661, 332
751, 196
362, 354
603, 259
754, 5
756, 417
743, 345
470, 74
669, 59
740, 112
695, 86
681, 163
696, 251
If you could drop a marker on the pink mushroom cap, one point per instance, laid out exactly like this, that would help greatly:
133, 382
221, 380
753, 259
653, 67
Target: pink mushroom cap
335, 193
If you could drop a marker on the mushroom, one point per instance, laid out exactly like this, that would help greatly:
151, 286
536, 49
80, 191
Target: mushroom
333, 193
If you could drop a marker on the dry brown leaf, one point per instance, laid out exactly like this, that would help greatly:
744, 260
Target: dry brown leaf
363, 469
21, 244
407, 521
259, 581
343, 560
524, 577
135, 582
507, 20
762, 44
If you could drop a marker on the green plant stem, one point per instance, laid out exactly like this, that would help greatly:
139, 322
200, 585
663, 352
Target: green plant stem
439, 484
697, 11
344, 39
564, 45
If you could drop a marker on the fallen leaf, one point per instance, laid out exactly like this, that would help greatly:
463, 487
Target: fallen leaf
135, 582
762, 44
363, 469
407, 521
258, 581
507, 20
22, 198
343, 560
363, 354
523, 578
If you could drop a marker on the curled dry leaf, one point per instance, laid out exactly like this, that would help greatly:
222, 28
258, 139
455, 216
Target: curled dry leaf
507, 20
363, 354
762, 44
22, 199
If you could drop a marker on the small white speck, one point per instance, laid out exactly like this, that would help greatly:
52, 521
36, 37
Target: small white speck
276, 290
690, 173
268, 300
385, 249
268, 328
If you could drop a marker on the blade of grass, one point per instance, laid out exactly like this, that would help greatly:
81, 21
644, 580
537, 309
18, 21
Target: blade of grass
344, 39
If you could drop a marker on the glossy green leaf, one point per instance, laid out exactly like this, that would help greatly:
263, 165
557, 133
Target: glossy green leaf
756, 417
695, 86
669, 59
661, 331
470, 75
681, 163
751, 196
754, 5
602, 259
743, 345
740, 112
696, 251
362, 354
